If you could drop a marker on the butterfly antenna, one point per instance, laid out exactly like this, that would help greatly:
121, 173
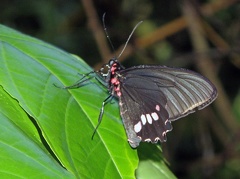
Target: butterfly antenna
105, 30
129, 38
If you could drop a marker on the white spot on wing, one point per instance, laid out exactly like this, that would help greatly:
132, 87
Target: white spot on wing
149, 118
157, 107
138, 127
143, 118
155, 116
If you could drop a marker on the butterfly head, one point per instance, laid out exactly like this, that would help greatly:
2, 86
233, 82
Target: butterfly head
110, 68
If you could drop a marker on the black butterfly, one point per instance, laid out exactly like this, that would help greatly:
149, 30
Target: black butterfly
151, 97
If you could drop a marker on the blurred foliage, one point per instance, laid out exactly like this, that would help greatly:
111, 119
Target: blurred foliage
65, 24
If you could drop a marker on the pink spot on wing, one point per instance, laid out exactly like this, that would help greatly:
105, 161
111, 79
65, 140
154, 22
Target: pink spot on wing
157, 107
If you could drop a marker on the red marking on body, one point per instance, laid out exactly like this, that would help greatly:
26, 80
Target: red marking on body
115, 82
117, 90
113, 68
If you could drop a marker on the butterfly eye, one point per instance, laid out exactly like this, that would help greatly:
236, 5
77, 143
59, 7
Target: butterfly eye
112, 61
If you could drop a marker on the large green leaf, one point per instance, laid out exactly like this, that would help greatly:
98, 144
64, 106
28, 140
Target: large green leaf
22, 153
46, 131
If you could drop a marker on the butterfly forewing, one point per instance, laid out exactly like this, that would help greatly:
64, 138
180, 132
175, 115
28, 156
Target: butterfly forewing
152, 96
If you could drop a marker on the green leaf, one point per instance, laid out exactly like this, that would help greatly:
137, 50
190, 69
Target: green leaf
46, 131
22, 153
152, 165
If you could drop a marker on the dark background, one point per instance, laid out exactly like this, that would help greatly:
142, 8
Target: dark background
199, 35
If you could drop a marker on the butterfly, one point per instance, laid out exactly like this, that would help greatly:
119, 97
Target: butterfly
152, 96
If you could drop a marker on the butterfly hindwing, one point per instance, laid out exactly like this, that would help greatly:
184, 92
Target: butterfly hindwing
143, 112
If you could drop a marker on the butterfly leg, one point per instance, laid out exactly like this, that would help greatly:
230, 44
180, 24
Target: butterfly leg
109, 98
